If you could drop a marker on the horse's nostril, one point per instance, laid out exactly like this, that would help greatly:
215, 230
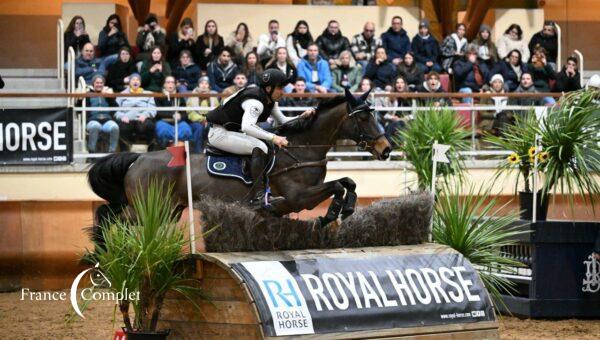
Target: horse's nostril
386, 153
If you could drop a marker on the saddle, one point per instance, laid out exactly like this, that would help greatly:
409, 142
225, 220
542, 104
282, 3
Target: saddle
221, 163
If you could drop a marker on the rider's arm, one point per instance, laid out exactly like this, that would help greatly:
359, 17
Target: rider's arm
252, 111
279, 117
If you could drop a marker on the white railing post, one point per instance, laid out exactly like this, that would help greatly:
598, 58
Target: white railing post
559, 42
581, 68
70, 74
81, 89
60, 54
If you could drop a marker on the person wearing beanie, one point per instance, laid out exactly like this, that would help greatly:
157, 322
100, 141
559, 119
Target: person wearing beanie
136, 124
100, 121
486, 49
117, 76
426, 49
150, 35
494, 121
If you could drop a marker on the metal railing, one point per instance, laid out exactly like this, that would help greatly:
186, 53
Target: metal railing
559, 47
581, 68
70, 75
60, 53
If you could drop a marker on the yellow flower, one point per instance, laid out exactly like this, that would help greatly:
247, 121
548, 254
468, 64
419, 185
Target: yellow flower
531, 159
531, 151
543, 156
514, 159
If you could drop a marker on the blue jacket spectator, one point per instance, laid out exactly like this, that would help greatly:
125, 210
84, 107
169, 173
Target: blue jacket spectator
380, 70
222, 71
315, 70
186, 73
86, 65
136, 124
512, 70
426, 49
395, 41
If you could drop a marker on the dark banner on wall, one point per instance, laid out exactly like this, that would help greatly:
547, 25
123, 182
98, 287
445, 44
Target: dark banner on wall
329, 295
36, 136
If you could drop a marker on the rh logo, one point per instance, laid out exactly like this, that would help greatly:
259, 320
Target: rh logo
591, 282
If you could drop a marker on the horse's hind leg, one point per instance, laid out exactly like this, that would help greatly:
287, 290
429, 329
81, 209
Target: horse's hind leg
350, 198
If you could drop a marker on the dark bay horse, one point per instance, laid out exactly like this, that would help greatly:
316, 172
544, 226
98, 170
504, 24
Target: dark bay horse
298, 174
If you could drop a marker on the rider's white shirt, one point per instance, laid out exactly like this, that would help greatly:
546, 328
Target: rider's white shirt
252, 111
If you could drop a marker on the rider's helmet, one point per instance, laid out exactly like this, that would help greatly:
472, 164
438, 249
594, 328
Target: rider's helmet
273, 77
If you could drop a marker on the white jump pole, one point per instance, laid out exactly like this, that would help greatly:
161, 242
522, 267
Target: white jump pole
188, 173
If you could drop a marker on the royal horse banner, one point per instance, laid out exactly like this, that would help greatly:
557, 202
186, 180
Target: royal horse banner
36, 136
329, 295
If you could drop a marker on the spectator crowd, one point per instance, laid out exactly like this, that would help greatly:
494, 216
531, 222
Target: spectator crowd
208, 62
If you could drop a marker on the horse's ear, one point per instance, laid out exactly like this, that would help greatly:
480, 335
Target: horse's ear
350, 98
365, 96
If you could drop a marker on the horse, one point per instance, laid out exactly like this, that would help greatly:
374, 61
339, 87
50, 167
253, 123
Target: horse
297, 175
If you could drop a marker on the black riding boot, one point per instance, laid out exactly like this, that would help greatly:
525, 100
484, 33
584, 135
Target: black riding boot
258, 168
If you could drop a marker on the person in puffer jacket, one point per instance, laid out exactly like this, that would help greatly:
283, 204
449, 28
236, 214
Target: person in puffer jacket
222, 71
395, 41
331, 43
315, 70
381, 70
426, 49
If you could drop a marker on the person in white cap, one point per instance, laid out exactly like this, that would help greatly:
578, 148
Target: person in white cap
493, 120
593, 82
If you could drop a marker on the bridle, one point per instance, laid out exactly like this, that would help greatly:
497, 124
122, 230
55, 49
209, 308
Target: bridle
366, 141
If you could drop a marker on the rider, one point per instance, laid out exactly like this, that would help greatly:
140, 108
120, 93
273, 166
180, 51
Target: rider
235, 124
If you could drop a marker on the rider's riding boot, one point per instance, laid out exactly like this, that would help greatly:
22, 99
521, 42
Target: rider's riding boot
258, 168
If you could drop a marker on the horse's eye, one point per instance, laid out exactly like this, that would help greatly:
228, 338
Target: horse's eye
364, 115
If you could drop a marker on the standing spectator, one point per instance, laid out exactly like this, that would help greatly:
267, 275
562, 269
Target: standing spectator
426, 49
186, 73
222, 71
100, 121
86, 65
208, 45
432, 84
117, 76
269, 42
149, 36
239, 82
512, 40
568, 79
395, 120
364, 44
165, 120
135, 124
453, 47
198, 118
75, 35
297, 42
548, 39
181, 40
347, 74
315, 70
299, 87
112, 38
331, 42
155, 70
469, 75
410, 72
526, 86
282, 61
395, 41
240, 42
512, 69
252, 68
542, 73
381, 70
495, 120
486, 50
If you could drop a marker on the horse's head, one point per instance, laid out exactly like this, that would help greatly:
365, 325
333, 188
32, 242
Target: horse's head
361, 127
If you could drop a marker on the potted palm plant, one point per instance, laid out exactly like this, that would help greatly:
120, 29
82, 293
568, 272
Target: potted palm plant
141, 255
416, 141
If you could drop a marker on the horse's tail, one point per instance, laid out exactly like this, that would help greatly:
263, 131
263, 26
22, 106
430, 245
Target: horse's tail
107, 179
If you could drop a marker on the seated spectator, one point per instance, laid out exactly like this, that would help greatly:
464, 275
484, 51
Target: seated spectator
396, 120
117, 76
494, 121
154, 70
486, 50
222, 71
252, 68
395, 41
453, 47
100, 121
136, 124
208, 45
426, 49
297, 42
112, 38
432, 84
315, 70
365, 85
181, 40
240, 42
282, 61
149, 36
541, 71
347, 74
526, 86
186, 73
512, 69
331, 42
269, 42
239, 82
198, 118
299, 87
75, 35
165, 120
410, 72
363, 45
568, 79
86, 65
512, 40
546, 38
469, 75
381, 70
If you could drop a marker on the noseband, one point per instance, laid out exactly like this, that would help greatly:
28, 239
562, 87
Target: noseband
366, 141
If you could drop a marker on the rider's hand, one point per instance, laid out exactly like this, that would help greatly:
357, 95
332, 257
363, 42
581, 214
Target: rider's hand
308, 113
280, 141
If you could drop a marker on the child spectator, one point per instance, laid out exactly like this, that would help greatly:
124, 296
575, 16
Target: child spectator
315, 70
395, 41
469, 75
75, 35
252, 68
135, 124
155, 70
282, 61
117, 76
297, 42
181, 40
381, 70
331, 42
269, 42
149, 36
208, 45
186, 73
410, 72
240, 42
222, 71
426, 49
512, 40
453, 47
363, 45
568, 79
112, 38
100, 121
347, 74
198, 118
165, 120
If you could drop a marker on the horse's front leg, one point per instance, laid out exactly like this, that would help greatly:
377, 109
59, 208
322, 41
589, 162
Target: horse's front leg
350, 198
308, 198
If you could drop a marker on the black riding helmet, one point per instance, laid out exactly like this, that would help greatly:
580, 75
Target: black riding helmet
273, 78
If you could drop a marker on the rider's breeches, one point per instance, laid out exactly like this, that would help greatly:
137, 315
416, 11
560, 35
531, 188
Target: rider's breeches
234, 142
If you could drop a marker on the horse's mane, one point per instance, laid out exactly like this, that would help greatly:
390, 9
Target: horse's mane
330, 102
300, 125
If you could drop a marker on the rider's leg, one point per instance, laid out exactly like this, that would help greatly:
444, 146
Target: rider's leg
258, 168
234, 142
